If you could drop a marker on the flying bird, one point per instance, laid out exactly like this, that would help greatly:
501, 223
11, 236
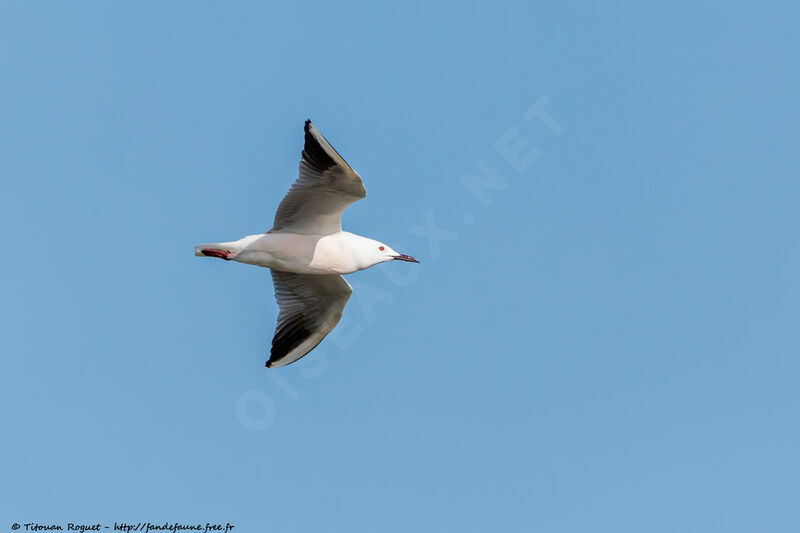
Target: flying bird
307, 252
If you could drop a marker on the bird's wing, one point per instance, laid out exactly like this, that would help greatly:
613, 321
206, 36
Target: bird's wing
310, 307
325, 187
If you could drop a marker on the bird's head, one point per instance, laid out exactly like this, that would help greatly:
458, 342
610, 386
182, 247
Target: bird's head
374, 252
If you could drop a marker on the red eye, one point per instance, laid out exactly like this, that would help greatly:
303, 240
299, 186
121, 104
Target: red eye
381, 248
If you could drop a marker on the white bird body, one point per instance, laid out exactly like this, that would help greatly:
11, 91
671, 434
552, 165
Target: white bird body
307, 252
338, 253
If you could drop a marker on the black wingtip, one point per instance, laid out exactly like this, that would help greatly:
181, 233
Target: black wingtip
314, 153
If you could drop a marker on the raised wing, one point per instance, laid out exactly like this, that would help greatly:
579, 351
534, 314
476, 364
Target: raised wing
325, 187
310, 307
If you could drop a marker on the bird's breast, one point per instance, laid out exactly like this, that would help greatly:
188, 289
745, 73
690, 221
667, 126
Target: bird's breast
331, 257
301, 254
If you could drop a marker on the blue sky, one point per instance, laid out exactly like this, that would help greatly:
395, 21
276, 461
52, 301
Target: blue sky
606, 341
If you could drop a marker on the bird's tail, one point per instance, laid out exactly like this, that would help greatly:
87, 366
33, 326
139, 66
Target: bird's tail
223, 250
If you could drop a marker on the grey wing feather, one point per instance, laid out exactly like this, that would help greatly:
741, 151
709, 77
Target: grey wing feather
310, 307
326, 185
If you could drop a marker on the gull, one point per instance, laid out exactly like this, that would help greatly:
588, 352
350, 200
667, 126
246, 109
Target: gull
307, 252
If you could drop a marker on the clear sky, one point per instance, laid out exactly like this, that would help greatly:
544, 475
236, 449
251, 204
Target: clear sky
602, 335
